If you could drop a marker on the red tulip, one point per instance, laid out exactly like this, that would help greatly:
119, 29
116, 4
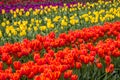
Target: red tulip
57, 74
31, 75
17, 64
9, 61
99, 65
118, 37
86, 59
78, 65
74, 77
36, 57
68, 74
37, 78
110, 68
1, 65
92, 58
107, 60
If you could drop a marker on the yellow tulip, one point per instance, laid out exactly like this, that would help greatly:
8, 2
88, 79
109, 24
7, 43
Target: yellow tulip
18, 29
63, 23
9, 34
3, 24
30, 9
41, 6
7, 22
49, 25
49, 20
49, 10
20, 13
17, 10
62, 27
15, 23
40, 21
27, 13
56, 31
0, 33
34, 13
19, 22
72, 21
37, 24
42, 28
41, 12
23, 33
31, 25
84, 15
3, 11
56, 19
72, 17
37, 21
22, 9
29, 29
11, 11
35, 28
7, 31
32, 20
86, 19
76, 21
14, 32
15, 15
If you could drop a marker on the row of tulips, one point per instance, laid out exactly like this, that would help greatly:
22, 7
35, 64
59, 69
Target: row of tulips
52, 65
20, 24
26, 7
65, 57
48, 42
24, 2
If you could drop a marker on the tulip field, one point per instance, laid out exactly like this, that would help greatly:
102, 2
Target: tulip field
60, 41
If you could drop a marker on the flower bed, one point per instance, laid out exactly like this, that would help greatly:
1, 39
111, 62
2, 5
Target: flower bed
74, 56
60, 41
21, 23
